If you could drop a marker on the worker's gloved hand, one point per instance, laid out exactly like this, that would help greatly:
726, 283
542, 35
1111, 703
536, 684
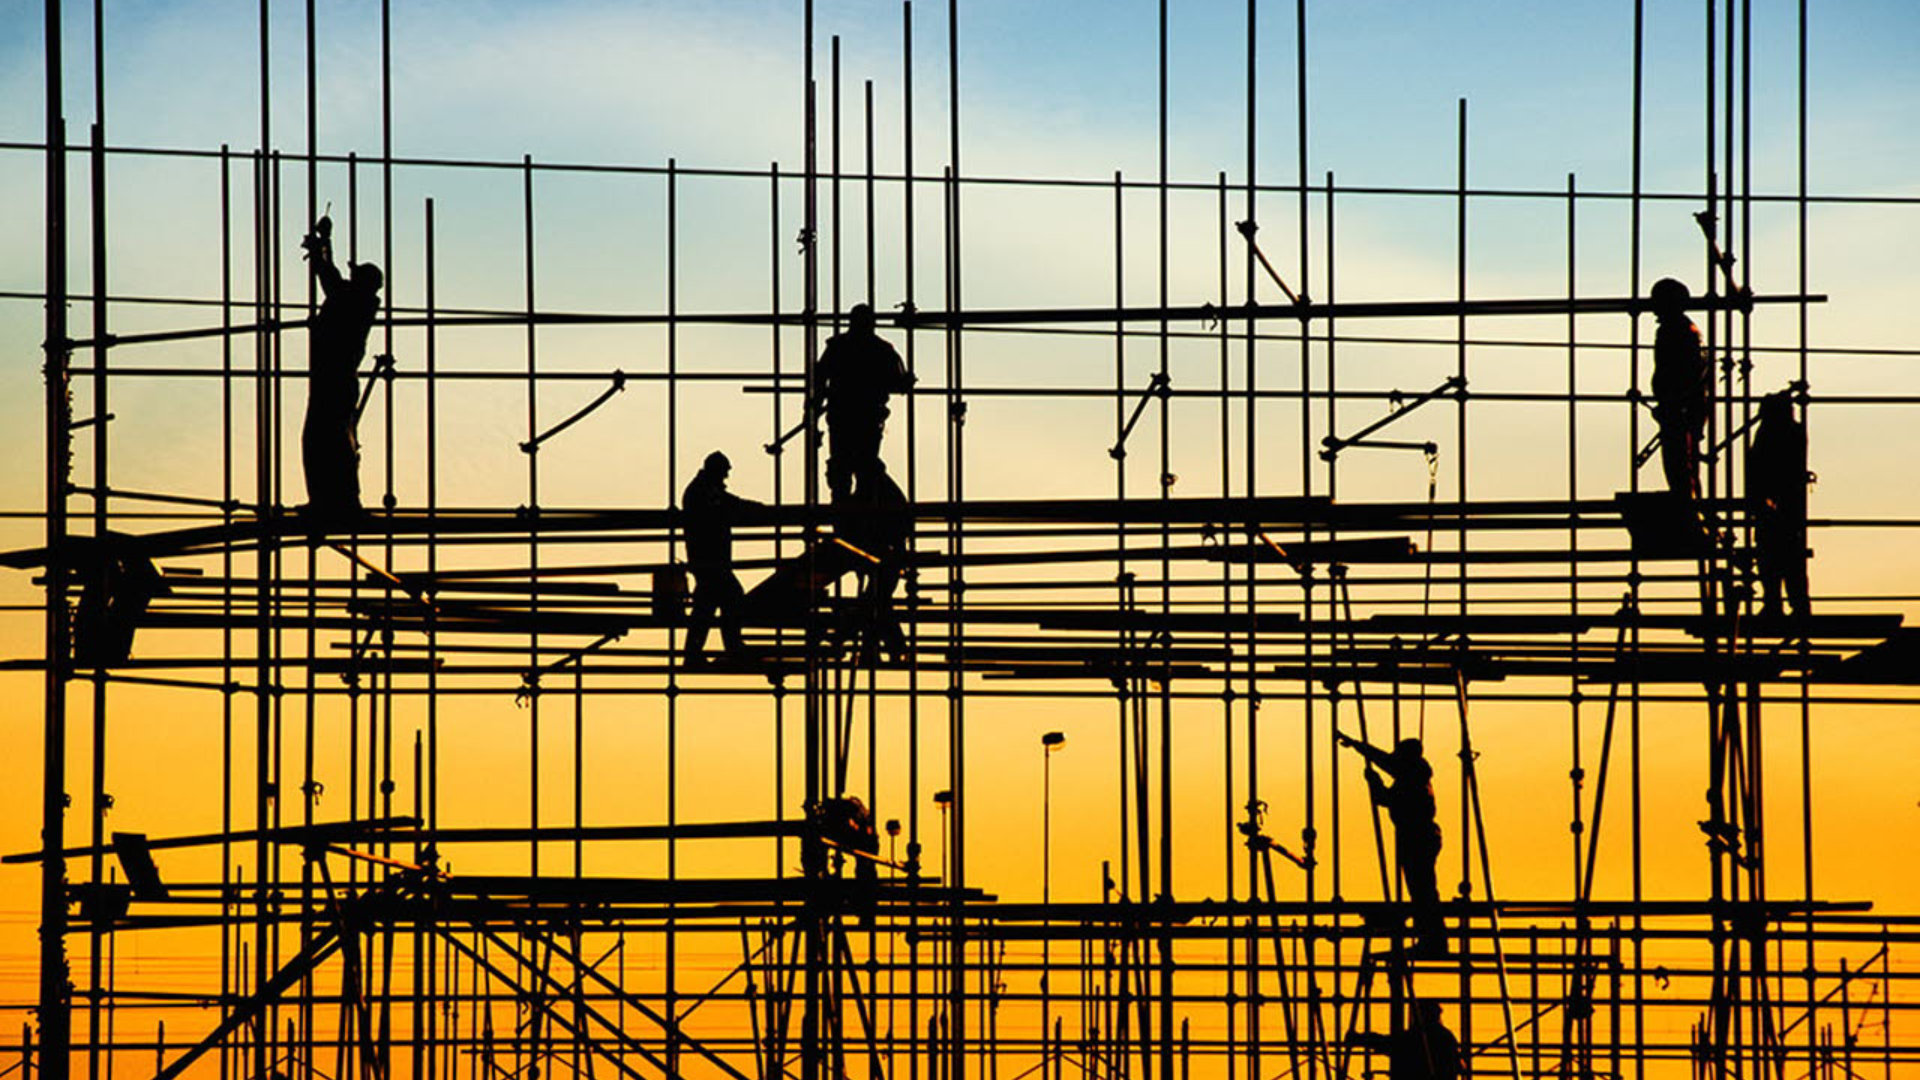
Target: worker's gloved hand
319, 241
1344, 739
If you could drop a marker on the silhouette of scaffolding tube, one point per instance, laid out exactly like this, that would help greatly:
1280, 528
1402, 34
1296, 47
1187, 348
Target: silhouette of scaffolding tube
1334, 443
984, 317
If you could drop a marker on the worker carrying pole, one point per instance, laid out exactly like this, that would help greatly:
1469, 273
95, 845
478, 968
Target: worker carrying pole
1416, 829
856, 374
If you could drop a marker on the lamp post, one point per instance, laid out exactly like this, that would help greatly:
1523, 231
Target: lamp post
1051, 741
943, 800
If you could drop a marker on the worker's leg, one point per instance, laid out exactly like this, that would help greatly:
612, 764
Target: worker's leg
730, 595
1766, 542
1677, 459
1417, 868
839, 471
701, 618
853, 451
330, 458
1794, 570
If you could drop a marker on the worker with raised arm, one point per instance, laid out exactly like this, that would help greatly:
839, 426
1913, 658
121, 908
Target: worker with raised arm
855, 376
1416, 828
336, 343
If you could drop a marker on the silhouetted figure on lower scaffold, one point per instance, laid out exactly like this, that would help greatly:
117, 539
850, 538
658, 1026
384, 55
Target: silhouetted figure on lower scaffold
1682, 388
856, 374
844, 826
118, 583
337, 342
878, 520
1777, 505
710, 509
1423, 1050
1416, 829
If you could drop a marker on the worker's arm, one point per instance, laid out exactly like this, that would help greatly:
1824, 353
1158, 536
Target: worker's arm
1378, 788
1375, 757
822, 381
319, 246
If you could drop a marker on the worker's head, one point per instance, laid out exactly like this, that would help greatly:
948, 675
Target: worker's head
367, 277
1408, 750
1669, 297
1777, 406
717, 464
1426, 1012
860, 319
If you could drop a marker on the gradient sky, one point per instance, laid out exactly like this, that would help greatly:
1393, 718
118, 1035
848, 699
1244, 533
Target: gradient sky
1062, 90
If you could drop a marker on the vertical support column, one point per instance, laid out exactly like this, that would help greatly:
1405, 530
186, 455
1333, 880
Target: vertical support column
1251, 388
1460, 492
56, 1033
956, 595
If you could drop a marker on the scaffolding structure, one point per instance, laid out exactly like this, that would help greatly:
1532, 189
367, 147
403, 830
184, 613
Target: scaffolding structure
358, 943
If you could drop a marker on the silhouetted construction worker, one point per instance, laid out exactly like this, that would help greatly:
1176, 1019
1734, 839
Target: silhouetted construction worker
878, 520
1416, 828
845, 825
1423, 1050
336, 343
857, 372
710, 508
1682, 387
118, 582
1777, 504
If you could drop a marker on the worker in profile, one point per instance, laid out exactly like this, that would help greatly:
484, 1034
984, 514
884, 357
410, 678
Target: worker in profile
709, 510
1682, 387
336, 343
857, 373
1777, 505
878, 520
1423, 1050
1416, 829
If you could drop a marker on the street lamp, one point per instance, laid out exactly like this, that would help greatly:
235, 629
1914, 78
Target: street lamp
943, 800
1051, 741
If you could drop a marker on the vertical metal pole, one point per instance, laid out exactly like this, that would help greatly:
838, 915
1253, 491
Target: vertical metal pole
1633, 567
1806, 417
1460, 491
956, 466
1253, 994
439, 1044
1309, 835
811, 1056
1166, 941
908, 251
266, 482
229, 936
55, 1017
672, 1001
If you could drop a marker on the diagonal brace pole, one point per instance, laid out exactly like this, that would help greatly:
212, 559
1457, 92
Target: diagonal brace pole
619, 384
1159, 386
1247, 229
1334, 444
